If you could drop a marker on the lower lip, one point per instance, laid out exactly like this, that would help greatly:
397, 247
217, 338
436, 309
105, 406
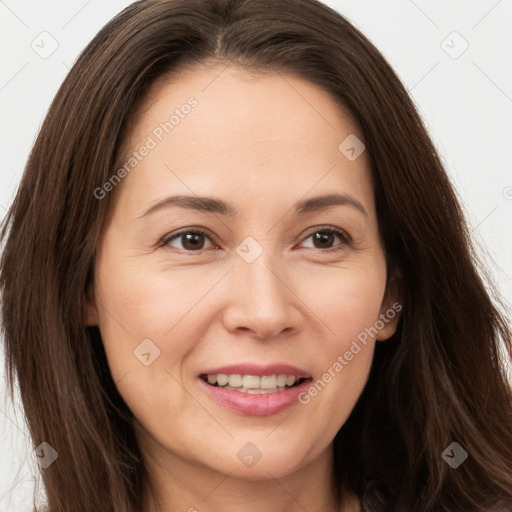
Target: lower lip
256, 405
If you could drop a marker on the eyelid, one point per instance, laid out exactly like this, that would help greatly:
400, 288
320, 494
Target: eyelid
337, 231
346, 240
341, 233
164, 242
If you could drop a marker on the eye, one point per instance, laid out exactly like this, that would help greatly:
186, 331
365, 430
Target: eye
322, 237
192, 240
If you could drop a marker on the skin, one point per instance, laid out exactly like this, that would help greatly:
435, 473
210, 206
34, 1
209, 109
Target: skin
261, 142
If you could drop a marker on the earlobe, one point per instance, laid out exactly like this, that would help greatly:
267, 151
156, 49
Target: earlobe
390, 308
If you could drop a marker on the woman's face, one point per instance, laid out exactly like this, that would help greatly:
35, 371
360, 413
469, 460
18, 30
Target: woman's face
263, 289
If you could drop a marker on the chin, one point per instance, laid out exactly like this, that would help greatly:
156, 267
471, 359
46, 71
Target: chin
259, 459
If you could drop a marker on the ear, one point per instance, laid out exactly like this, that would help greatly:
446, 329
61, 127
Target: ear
391, 307
92, 311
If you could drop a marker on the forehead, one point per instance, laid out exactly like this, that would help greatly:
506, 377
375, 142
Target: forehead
247, 134
267, 106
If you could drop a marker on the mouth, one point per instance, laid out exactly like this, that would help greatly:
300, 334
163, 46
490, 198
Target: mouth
253, 384
255, 390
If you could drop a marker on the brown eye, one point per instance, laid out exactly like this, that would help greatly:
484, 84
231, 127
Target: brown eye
325, 238
191, 240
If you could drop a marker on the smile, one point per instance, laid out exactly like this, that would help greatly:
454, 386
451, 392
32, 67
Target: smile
253, 384
255, 390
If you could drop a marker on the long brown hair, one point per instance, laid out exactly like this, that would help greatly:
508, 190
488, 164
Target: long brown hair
440, 379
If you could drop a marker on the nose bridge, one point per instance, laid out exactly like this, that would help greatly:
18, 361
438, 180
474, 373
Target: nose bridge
263, 279
262, 301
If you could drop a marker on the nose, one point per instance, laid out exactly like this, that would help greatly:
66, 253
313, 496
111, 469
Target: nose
261, 300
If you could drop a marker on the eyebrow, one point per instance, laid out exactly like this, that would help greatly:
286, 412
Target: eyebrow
218, 206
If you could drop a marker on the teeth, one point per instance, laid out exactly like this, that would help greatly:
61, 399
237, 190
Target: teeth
250, 381
281, 380
268, 381
222, 379
235, 381
254, 391
253, 384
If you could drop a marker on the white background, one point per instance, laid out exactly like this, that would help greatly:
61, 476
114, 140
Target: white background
466, 103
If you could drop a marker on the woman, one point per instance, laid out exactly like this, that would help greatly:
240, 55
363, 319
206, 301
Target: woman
182, 337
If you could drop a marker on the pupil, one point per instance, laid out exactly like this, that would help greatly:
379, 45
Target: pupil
191, 238
322, 235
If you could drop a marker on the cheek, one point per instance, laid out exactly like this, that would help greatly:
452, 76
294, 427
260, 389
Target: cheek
347, 302
140, 302
349, 308
142, 324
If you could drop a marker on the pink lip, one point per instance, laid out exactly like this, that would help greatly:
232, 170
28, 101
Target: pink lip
256, 405
258, 370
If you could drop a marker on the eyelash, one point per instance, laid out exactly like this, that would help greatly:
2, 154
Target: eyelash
344, 237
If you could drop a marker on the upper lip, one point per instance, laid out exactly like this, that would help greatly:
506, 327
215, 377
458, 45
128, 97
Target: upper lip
258, 370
